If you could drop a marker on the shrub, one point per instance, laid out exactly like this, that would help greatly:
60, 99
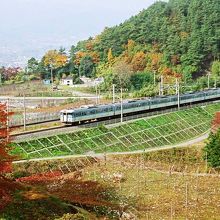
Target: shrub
212, 150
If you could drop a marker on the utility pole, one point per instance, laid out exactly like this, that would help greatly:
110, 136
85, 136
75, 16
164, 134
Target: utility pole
176, 86
208, 80
113, 93
51, 76
99, 95
161, 86
178, 90
7, 124
24, 106
96, 93
154, 77
121, 106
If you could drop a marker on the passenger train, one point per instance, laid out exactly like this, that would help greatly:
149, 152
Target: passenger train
96, 112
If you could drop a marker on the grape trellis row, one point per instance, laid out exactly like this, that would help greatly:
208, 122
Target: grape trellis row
158, 131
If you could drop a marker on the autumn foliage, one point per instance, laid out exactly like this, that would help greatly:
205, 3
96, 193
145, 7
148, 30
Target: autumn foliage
55, 59
41, 177
139, 61
216, 123
5, 158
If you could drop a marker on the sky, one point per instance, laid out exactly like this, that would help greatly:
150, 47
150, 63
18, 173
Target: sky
33, 26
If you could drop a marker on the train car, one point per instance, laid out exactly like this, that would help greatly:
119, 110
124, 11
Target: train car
89, 113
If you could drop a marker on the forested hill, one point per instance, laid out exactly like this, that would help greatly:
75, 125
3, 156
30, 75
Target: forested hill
187, 32
178, 39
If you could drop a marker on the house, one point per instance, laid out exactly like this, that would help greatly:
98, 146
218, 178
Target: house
46, 81
68, 81
85, 80
92, 82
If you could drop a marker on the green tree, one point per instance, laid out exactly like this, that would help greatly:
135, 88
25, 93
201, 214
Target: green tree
216, 68
122, 72
212, 150
87, 67
32, 65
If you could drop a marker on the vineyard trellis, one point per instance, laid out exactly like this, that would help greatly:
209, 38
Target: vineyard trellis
169, 129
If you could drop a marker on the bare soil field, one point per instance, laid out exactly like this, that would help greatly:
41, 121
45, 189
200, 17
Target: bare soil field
167, 184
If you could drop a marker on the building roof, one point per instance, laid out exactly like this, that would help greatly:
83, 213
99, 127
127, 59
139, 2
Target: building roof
68, 78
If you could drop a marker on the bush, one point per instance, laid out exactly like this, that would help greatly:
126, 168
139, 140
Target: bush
139, 80
148, 91
212, 150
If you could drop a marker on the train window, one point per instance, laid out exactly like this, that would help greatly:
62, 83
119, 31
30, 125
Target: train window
126, 106
173, 99
84, 113
154, 102
185, 97
118, 107
92, 112
78, 114
145, 103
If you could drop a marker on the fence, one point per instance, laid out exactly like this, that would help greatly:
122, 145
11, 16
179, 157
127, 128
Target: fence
33, 118
164, 130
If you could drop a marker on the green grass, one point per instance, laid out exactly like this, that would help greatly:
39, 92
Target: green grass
169, 129
48, 208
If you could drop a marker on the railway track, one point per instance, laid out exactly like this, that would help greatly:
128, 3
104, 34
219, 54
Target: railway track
68, 128
37, 131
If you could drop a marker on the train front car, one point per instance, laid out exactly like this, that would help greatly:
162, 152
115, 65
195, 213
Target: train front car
66, 116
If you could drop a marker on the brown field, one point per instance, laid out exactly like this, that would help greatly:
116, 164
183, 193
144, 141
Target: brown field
171, 184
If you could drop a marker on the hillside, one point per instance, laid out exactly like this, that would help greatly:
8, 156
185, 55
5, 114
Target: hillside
176, 39
188, 29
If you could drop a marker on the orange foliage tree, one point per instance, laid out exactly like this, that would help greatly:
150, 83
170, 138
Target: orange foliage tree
129, 50
95, 57
79, 56
139, 61
54, 59
89, 46
5, 158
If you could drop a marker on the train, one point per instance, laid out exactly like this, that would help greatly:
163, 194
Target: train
97, 112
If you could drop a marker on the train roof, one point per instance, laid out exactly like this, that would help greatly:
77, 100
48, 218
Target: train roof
90, 107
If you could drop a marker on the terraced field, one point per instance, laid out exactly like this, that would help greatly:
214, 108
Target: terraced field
159, 131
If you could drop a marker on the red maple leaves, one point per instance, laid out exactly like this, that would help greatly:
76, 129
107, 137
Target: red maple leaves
5, 158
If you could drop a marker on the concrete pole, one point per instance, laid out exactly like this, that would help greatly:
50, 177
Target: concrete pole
113, 93
121, 106
178, 86
24, 106
51, 77
161, 86
7, 124
96, 92
99, 95
154, 78
208, 81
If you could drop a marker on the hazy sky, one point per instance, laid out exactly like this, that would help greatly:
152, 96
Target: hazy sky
57, 22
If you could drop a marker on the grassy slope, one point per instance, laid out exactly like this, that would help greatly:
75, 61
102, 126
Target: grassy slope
169, 129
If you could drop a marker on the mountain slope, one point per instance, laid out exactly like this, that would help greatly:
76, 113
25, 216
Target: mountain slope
188, 29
